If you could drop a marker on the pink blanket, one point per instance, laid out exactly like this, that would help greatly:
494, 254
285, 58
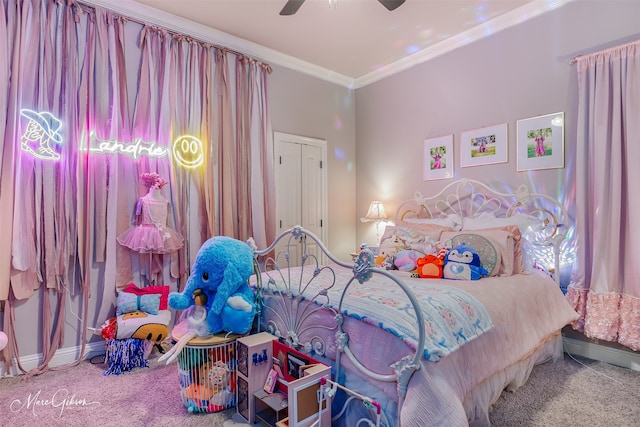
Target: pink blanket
526, 311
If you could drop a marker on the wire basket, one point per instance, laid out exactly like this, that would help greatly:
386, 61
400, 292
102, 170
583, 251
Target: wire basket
207, 374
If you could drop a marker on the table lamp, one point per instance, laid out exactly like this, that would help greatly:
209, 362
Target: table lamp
375, 214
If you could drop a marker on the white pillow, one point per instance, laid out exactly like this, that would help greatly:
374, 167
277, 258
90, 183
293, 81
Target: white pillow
489, 220
452, 221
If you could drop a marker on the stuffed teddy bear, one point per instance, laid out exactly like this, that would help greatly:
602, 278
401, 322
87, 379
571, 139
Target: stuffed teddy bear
463, 263
221, 272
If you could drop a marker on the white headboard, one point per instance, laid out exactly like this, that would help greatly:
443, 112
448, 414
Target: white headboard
467, 198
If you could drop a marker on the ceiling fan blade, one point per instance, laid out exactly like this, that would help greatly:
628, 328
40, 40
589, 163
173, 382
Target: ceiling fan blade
391, 4
291, 7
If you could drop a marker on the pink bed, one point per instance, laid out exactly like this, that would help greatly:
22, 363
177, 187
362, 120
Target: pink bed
311, 308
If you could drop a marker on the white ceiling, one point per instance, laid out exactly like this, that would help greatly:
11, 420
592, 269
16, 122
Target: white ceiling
355, 43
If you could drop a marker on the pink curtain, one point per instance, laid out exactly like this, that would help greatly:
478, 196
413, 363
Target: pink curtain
66, 70
173, 99
254, 158
68, 65
201, 92
605, 289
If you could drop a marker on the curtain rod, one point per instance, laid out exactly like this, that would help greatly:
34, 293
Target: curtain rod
90, 7
586, 55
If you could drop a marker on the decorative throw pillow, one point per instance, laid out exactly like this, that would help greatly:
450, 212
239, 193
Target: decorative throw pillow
163, 291
504, 239
128, 302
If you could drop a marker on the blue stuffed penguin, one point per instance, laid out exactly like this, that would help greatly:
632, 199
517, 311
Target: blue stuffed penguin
463, 263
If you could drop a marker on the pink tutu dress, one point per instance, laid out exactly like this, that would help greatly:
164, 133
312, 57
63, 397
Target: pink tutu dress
152, 235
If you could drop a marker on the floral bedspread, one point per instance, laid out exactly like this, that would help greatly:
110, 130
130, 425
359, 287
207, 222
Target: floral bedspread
452, 316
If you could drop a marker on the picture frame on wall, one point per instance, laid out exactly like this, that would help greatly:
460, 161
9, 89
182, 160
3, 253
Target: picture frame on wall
541, 142
484, 146
438, 158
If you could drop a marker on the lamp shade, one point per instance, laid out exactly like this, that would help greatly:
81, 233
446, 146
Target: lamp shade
376, 212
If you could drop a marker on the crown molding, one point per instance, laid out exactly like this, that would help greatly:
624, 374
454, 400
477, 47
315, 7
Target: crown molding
514, 17
150, 15
153, 16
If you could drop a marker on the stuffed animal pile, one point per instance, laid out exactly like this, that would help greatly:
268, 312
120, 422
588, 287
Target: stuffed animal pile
206, 380
429, 259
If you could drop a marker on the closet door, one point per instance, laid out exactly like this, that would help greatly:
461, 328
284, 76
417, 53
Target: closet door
300, 188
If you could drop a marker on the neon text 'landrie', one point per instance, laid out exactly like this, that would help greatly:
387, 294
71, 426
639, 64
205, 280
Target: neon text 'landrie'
134, 149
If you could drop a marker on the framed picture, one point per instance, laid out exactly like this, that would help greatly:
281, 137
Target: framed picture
438, 158
484, 146
294, 363
541, 142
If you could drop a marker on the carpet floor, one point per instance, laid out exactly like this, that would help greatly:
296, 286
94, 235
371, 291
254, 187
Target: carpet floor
568, 393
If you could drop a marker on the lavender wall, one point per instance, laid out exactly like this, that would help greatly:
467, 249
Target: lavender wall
518, 73
306, 106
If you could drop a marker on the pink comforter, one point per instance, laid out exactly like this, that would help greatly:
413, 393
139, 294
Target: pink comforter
526, 309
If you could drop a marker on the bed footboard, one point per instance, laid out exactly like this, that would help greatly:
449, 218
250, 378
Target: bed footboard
297, 295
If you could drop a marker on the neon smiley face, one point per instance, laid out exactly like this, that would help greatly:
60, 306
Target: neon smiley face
188, 151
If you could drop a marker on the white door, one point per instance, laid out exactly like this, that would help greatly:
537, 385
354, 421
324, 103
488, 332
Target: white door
300, 173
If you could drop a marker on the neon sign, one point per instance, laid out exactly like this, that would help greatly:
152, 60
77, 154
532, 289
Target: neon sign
42, 130
135, 149
188, 151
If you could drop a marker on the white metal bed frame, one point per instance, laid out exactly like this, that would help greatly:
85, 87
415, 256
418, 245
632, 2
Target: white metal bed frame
466, 198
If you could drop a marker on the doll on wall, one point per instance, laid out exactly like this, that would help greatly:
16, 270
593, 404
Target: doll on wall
151, 233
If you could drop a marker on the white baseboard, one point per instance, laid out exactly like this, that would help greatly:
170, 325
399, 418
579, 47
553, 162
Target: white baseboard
63, 356
613, 356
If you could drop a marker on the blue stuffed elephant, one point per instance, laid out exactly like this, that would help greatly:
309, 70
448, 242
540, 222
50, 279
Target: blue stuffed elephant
221, 271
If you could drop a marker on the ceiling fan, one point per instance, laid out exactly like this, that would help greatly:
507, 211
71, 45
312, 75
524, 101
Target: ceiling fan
292, 6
